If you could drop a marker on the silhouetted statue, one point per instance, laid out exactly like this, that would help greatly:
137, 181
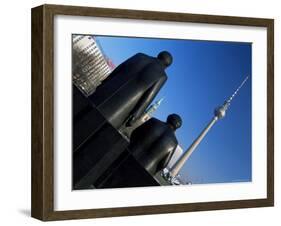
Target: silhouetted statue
154, 142
130, 88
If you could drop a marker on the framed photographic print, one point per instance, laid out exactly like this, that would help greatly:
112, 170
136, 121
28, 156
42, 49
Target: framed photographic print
141, 112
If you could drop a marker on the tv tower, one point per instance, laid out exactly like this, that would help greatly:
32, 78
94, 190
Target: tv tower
219, 113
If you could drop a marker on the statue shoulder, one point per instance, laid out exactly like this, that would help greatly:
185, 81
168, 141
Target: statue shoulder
153, 71
141, 56
150, 125
155, 121
135, 63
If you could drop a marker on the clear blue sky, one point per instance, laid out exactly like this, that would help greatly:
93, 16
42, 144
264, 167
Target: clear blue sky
202, 76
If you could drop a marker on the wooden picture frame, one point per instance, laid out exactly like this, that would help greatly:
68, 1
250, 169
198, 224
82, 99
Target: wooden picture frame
42, 205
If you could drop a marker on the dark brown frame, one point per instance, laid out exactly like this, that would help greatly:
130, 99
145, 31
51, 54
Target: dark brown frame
42, 203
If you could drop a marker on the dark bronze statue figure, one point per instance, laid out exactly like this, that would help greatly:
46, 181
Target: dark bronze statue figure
154, 142
131, 87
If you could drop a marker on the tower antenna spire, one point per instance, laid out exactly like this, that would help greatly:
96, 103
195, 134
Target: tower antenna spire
237, 90
219, 113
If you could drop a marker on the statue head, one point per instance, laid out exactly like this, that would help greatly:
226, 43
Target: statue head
174, 121
165, 58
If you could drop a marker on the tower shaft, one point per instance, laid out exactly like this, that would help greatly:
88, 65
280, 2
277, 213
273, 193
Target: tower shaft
181, 161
